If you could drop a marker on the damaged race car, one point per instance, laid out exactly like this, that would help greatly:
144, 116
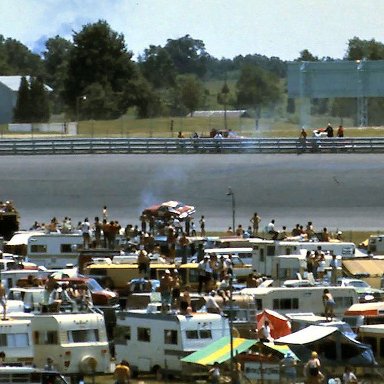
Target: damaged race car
170, 210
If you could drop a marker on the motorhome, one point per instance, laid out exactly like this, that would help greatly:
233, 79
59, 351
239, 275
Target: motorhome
250, 301
29, 375
51, 250
264, 251
155, 342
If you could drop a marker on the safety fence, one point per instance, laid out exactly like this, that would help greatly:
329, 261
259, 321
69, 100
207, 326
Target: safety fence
73, 146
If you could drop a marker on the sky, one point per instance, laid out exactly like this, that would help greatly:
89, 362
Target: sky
281, 28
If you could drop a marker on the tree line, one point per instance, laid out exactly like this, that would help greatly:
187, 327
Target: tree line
95, 77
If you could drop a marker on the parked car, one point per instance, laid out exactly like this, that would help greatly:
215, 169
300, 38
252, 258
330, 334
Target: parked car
364, 291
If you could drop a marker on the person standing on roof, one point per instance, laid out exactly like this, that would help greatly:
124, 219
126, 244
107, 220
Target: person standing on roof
202, 226
86, 232
166, 285
255, 220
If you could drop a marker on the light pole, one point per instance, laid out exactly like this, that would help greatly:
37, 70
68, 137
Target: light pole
78, 98
232, 194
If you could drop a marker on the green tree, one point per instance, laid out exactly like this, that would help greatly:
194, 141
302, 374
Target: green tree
157, 67
257, 88
369, 49
187, 96
22, 111
56, 56
100, 64
188, 55
21, 60
305, 55
38, 99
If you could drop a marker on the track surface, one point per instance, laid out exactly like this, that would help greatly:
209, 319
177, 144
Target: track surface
342, 191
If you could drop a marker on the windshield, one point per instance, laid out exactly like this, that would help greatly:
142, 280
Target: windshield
358, 284
94, 286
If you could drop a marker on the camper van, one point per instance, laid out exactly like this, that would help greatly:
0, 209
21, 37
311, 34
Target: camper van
51, 250
155, 342
29, 375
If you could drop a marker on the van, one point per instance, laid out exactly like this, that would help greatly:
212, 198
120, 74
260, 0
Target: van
29, 375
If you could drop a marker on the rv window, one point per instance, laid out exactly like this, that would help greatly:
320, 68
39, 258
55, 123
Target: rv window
38, 248
286, 303
143, 334
48, 337
14, 340
122, 334
83, 335
205, 334
66, 248
259, 304
191, 334
270, 250
170, 336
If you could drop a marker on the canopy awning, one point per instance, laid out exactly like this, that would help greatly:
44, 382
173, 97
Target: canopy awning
370, 267
219, 351
307, 335
281, 348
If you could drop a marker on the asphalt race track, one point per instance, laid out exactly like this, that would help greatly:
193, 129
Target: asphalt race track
343, 191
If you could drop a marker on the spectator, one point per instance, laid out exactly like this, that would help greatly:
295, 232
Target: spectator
312, 370
340, 131
122, 373
288, 365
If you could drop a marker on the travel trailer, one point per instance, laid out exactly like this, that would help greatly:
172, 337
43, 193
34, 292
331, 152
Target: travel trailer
77, 342
155, 342
51, 250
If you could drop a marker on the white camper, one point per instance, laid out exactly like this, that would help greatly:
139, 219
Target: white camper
155, 342
51, 250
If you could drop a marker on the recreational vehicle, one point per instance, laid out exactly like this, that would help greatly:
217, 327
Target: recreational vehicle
155, 342
250, 301
264, 251
51, 250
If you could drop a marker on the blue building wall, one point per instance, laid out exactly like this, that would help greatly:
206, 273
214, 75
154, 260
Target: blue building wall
8, 100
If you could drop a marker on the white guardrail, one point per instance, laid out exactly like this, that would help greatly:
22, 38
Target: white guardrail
73, 146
